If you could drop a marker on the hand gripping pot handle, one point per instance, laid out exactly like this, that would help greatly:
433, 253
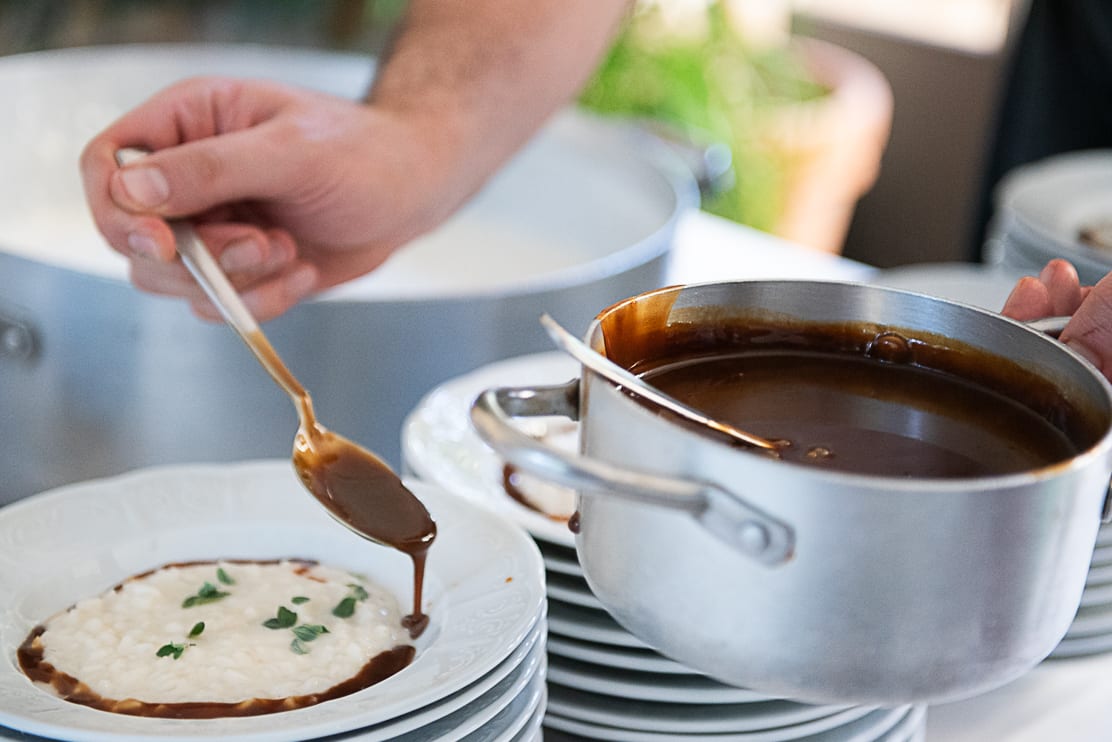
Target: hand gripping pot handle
745, 528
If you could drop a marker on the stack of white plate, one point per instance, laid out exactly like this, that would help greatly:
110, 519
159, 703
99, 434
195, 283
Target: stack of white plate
1091, 630
1043, 208
604, 682
479, 670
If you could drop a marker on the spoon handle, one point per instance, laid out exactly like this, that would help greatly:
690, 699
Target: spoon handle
203, 266
606, 368
197, 258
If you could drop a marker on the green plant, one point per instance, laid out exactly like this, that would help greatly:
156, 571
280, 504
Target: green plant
711, 85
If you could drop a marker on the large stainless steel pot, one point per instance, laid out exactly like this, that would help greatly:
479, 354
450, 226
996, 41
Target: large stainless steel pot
810, 583
97, 378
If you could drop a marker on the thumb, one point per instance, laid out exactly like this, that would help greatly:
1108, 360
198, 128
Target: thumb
1089, 332
196, 176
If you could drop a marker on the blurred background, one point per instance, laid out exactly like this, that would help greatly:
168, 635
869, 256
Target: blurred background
855, 126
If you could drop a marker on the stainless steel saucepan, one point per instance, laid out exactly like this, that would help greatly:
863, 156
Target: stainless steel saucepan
815, 584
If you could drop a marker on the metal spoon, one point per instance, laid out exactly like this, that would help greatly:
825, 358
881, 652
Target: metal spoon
356, 487
606, 368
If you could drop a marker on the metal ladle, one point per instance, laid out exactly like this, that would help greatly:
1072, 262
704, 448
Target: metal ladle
606, 368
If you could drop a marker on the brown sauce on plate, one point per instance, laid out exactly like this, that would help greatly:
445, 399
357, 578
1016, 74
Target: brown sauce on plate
69, 688
510, 484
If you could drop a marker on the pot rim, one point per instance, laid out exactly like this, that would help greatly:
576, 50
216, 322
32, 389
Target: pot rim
891, 485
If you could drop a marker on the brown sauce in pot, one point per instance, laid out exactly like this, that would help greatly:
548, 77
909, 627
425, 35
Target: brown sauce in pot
853, 413
856, 397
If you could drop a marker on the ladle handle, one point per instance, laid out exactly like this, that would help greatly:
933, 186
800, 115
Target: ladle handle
747, 529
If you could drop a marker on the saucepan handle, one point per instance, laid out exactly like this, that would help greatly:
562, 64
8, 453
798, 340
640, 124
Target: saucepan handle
747, 529
17, 337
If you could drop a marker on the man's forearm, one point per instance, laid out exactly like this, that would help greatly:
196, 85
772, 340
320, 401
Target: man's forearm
487, 73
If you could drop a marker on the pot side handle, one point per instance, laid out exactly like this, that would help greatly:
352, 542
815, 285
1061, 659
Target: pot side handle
745, 528
18, 339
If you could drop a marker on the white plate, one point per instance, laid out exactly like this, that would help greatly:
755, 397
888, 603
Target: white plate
1104, 536
652, 716
1082, 646
440, 445
645, 686
867, 727
531, 732
911, 725
1097, 595
577, 622
488, 716
629, 658
1101, 562
560, 559
485, 714
514, 718
1101, 574
528, 655
485, 588
1059, 195
558, 565
1091, 620
572, 590
1102, 555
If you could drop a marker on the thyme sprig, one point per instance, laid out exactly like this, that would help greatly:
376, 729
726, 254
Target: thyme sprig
208, 593
346, 607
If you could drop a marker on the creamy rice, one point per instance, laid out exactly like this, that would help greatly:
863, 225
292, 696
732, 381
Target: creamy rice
112, 643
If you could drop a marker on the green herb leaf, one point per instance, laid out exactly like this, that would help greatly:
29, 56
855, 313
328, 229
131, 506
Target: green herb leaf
223, 577
298, 600
207, 594
345, 608
298, 648
197, 629
167, 650
284, 620
308, 632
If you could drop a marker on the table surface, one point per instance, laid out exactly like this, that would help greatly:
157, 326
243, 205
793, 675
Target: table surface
1061, 699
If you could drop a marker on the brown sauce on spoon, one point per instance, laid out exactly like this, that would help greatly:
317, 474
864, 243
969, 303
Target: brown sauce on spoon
356, 486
